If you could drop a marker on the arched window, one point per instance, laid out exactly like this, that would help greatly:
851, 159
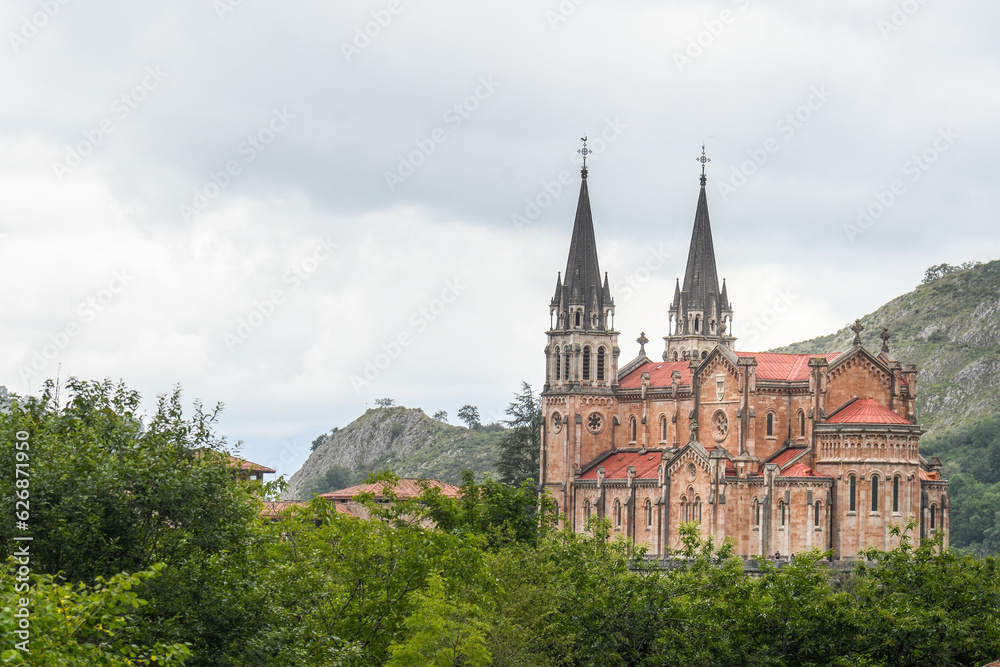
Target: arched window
933, 515
874, 494
685, 509
586, 363
756, 512
663, 429
578, 319
555, 506
802, 424
632, 427
675, 355
895, 494
770, 424
697, 510
600, 363
697, 322
649, 513
781, 508
558, 364
566, 363
618, 513
816, 512
704, 353
852, 483
586, 509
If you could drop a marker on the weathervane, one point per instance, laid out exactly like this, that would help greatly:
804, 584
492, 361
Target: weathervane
584, 152
704, 160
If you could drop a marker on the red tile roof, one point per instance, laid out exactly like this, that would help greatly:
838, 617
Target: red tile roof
865, 411
786, 455
616, 465
659, 374
800, 470
405, 489
248, 466
787, 367
929, 476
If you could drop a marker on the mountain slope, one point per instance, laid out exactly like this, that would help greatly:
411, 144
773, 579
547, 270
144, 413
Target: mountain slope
949, 328
404, 440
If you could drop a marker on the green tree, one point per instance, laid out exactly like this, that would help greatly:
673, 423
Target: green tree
520, 446
441, 631
385, 402
470, 415
441, 416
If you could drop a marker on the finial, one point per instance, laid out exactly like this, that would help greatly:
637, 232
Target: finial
642, 340
704, 159
885, 339
857, 328
584, 152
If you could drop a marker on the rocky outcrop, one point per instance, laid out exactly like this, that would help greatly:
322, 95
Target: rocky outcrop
404, 440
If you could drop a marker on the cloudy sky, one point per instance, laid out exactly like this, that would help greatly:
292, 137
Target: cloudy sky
296, 208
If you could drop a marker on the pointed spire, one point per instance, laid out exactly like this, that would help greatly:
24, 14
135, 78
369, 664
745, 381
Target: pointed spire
582, 289
701, 278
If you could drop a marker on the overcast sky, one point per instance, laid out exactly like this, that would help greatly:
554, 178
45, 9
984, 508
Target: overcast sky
255, 200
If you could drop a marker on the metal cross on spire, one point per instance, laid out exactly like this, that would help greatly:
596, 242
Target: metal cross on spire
642, 340
857, 328
584, 152
704, 159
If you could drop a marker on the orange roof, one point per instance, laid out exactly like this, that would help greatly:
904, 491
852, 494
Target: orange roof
786, 455
248, 466
865, 411
659, 374
801, 470
616, 465
405, 489
928, 476
787, 367
273, 507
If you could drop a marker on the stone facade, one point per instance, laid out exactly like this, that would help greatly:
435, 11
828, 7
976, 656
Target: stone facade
782, 453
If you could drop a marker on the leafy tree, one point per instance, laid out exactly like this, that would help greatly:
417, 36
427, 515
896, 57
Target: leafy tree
78, 624
520, 447
441, 631
335, 478
441, 416
470, 415
385, 402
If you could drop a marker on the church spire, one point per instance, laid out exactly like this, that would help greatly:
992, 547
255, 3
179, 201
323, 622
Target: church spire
581, 300
698, 307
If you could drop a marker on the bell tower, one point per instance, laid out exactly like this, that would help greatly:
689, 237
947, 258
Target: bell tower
582, 351
700, 314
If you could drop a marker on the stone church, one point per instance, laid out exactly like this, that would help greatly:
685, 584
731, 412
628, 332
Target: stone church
780, 452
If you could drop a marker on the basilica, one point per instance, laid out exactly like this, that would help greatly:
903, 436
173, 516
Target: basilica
781, 453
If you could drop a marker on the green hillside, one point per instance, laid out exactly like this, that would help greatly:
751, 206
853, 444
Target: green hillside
950, 328
404, 440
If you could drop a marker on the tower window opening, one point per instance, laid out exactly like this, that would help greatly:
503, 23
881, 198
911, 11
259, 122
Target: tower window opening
558, 365
600, 363
578, 319
816, 511
649, 513
853, 493
697, 322
756, 513
663, 429
770, 424
781, 506
586, 363
566, 364
802, 424
633, 427
933, 515
895, 494
874, 494
618, 513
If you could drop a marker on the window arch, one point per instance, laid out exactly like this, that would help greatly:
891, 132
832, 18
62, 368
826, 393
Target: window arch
874, 493
586, 363
756, 512
600, 363
649, 513
663, 428
586, 508
802, 424
817, 508
555, 506
558, 364
633, 428
895, 493
770, 424
781, 510
685, 509
566, 357
852, 483
578, 319
697, 323
675, 355
933, 515
618, 513
696, 514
